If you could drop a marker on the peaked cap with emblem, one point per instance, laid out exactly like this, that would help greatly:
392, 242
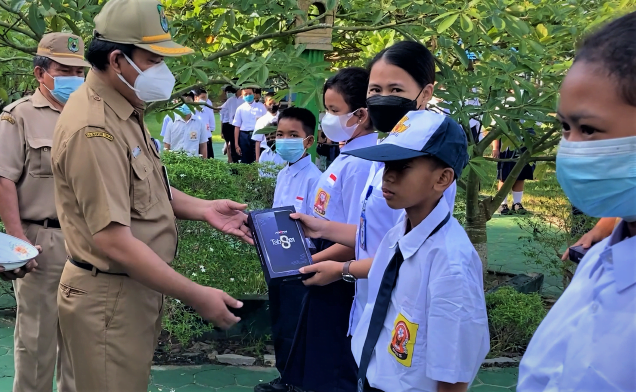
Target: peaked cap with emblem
63, 48
141, 23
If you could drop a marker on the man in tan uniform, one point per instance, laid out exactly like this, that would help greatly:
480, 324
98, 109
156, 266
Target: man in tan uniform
117, 209
27, 208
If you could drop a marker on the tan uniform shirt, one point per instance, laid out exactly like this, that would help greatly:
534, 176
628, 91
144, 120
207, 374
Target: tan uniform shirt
107, 169
26, 137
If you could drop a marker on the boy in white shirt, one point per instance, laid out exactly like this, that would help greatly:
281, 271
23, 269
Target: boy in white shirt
187, 134
244, 124
424, 327
206, 115
272, 114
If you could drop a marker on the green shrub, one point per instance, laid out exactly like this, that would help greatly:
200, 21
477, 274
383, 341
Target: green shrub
513, 318
205, 255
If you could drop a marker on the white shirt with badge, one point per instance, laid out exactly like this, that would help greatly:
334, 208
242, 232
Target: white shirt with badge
376, 219
337, 194
587, 342
186, 136
206, 115
246, 115
295, 185
436, 328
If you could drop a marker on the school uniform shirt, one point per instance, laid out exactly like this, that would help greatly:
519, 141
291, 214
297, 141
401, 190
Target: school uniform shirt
436, 328
295, 185
377, 220
164, 127
186, 136
228, 109
587, 342
270, 156
206, 115
246, 115
337, 194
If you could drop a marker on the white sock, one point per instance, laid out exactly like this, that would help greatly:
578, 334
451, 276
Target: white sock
517, 196
505, 200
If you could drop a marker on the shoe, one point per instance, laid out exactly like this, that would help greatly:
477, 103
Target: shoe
504, 210
518, 209
273, 386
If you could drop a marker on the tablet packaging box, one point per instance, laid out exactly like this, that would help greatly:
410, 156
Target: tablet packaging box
280, 243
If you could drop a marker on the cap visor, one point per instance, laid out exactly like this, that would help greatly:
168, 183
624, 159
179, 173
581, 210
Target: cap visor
266, 130
385, 153
166, 48
70, 61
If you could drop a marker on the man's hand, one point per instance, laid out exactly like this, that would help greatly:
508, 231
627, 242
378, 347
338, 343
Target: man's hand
228, 217
495, 153
19, 273
212, 304
313, 227
238, 149
327, 272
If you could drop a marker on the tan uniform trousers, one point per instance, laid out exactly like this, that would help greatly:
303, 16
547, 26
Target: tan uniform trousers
36, 327
109, 325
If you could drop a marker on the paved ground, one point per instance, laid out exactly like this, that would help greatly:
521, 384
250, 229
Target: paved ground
225, 378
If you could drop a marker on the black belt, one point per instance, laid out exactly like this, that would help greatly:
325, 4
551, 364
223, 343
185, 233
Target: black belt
91, 267
250, 132
47, 223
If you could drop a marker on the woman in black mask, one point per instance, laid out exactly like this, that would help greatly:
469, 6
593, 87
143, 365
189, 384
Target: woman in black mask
401, 80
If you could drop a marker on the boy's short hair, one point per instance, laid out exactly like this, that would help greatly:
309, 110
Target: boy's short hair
189, 94
200, 91
230, 89
270, 94
305, 116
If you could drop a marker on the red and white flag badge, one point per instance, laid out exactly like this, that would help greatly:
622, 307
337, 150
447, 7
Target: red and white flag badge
332, 179
299, 198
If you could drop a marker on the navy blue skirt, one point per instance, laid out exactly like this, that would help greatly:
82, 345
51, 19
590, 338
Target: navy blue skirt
320, 359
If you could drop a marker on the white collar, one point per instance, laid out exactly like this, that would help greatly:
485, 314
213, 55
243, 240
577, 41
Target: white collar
618, 256
361, 142
299, 166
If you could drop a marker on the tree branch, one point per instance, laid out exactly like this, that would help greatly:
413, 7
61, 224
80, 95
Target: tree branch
20, 15
28, 50
18, 30
180, 93
15, 59
487, 140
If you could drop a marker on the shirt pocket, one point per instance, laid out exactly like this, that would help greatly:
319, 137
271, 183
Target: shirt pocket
142, 193
408, 336
40, 157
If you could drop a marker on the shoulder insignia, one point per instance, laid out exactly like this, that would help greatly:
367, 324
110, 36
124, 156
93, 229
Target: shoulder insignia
7, 117
103, 134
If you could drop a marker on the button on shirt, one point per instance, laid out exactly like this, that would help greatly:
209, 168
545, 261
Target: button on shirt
587, 342
186, 135
337, 193
436, 328
246, 115
228, 109
295, 185
380, 218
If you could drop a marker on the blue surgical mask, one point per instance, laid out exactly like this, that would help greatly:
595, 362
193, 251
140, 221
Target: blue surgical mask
64, 86
185, 109
249, 98
599, 177
291, 150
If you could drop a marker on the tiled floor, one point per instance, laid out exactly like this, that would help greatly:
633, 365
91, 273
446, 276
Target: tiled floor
225, 378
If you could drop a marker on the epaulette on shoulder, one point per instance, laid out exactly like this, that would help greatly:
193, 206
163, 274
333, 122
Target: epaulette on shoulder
95, 115
12, 106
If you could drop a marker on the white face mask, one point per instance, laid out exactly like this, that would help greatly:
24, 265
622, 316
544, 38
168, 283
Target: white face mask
154, 84
335, 127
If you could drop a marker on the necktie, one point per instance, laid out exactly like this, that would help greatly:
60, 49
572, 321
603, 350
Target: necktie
381, 307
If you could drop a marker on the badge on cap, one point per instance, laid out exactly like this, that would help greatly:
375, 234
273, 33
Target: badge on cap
401, 126
73, 44
162, 18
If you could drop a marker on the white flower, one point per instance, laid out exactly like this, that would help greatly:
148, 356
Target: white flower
194, 274
182, 175
211, 249
231, 279
202, 268
178, 301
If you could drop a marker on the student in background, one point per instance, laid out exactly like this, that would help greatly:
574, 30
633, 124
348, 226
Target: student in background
294, 187
272, 114
228, 110
269, 154
206, 115
187, 134
244, 124
187, 98
321, 359
587, 342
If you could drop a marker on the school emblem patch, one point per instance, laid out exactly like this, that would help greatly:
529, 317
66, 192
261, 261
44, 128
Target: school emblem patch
73, 44
322, 202
400, 126
193, 136
162, 18
403, 341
